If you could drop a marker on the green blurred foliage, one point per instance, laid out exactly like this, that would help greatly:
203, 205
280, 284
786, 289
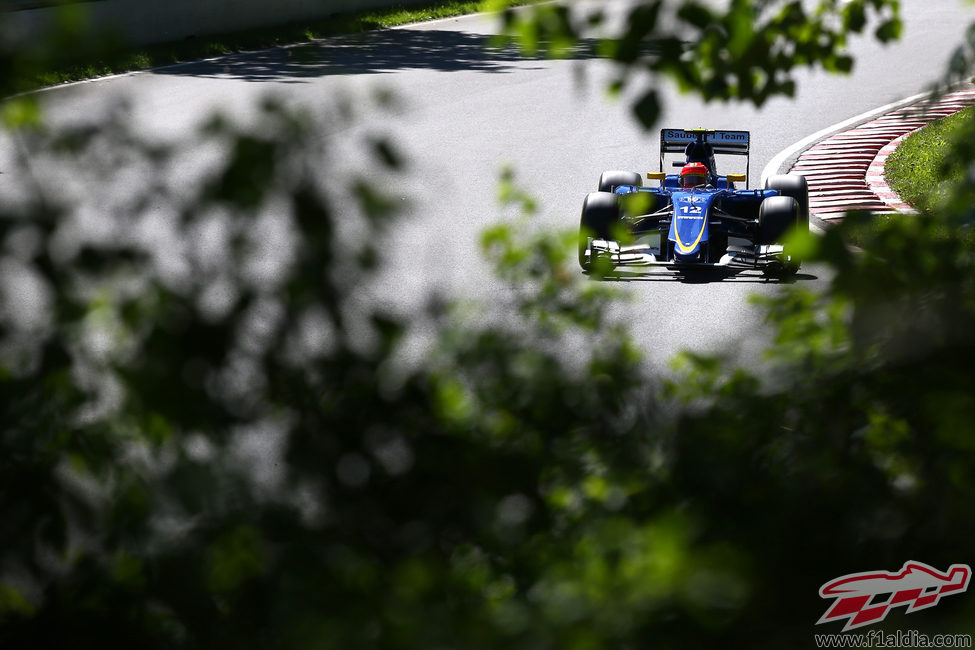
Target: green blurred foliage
527, 484
741, 50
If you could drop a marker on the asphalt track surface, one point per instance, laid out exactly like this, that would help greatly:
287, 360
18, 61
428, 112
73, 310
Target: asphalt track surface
465, 111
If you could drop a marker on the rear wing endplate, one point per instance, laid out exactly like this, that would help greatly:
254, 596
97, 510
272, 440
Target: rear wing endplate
735, 143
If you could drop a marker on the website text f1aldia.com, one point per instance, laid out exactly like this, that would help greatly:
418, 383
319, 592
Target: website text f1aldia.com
898, 639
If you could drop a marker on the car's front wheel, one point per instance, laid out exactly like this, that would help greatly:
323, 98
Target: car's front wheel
777, 215
793, 185
600, 210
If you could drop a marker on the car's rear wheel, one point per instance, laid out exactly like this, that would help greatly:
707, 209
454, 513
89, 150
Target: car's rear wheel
600, 210
610, 180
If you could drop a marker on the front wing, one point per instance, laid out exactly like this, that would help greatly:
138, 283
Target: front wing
745, 255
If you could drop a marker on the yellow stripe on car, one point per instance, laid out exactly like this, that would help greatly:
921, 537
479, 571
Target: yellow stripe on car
681, 247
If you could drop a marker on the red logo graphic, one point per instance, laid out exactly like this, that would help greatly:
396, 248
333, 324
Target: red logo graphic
859, 595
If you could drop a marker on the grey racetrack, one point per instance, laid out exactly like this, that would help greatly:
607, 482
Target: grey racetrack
464, 112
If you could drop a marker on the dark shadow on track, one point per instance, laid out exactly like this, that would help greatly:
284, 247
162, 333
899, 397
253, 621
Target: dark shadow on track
368, 53
702, 276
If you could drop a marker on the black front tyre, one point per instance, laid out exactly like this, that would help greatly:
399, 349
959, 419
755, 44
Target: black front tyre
795, 186
776, 216
600, 210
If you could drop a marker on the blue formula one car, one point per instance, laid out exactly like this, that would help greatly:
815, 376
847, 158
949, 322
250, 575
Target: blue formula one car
696, 218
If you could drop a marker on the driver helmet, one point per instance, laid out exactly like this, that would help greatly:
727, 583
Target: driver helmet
693, 174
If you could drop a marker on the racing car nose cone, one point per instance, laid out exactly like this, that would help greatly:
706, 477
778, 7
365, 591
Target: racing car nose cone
693, 258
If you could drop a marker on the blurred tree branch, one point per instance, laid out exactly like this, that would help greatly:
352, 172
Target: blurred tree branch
743, 50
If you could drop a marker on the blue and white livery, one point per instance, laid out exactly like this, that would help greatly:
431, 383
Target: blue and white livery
709, 224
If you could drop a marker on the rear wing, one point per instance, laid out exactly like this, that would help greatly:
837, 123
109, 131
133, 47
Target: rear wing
735, 143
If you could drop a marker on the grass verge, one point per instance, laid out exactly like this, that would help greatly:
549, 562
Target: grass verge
916, 169
50, 70
917, 172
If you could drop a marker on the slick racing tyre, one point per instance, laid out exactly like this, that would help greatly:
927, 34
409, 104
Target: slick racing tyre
609, 181
600, 211
795, 186
776, 216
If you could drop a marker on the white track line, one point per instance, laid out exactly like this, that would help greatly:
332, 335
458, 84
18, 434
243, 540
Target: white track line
777, 164
778, 161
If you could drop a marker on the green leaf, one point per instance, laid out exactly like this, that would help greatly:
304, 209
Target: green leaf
235, 558
889, 30
647, 108
12, 602
21, 113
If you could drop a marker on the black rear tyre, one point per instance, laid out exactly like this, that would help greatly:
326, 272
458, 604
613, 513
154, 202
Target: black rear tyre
610, 180
600, 211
